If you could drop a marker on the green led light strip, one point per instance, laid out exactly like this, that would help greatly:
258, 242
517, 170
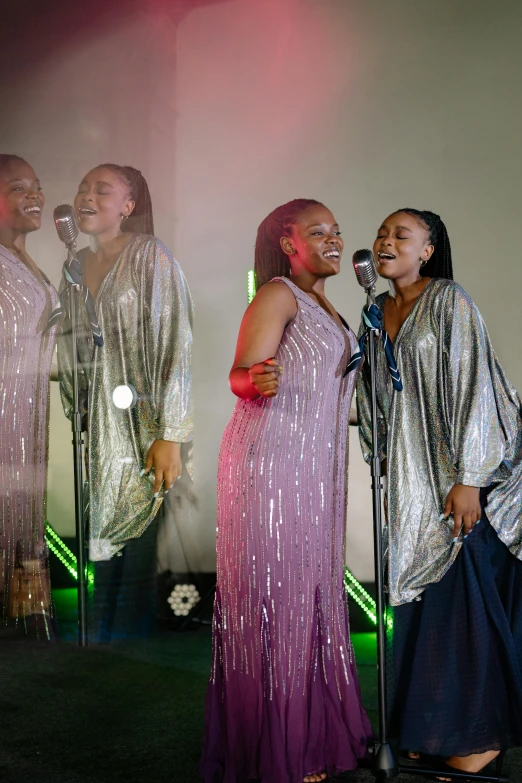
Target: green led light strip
361, 597
59, 543
60, 557
354, 589
64, 554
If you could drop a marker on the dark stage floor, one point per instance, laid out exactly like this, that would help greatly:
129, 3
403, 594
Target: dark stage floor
129, 712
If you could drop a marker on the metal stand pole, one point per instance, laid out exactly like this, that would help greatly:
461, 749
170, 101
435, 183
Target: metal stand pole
77, 441
384, 763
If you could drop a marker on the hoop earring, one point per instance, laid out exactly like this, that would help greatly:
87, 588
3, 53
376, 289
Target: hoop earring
423, 263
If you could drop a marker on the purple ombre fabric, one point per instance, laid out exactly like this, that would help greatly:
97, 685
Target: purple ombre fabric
283, 699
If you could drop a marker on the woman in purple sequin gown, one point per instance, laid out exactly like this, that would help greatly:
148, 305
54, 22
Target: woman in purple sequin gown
27, 299
283, 702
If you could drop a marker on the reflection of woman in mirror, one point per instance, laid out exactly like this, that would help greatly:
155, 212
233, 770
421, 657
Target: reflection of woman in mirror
144, 310
283, 702
26, 302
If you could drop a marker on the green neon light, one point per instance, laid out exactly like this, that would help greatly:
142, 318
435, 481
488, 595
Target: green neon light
64, 554
58, 541
354, 589
62, 559
361, 597
251, 285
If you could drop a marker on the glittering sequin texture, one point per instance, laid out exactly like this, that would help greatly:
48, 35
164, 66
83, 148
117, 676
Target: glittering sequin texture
144, 310
458, 420
25, 359
283, 698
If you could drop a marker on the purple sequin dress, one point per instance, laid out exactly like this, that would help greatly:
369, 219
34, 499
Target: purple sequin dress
283, 699
25, 362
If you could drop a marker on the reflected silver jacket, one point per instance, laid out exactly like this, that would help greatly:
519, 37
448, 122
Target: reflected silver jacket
145, 312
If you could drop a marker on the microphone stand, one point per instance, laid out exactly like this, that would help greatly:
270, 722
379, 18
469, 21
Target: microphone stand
77, 441
384, 764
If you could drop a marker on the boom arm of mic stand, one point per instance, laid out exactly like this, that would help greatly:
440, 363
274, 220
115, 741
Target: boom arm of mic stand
77, 441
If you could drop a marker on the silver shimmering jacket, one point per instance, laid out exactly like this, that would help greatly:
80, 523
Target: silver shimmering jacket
145, 312
458, 420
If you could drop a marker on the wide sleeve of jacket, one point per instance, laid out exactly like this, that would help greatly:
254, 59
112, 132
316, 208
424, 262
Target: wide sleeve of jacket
167, 324
477, 438
364, 407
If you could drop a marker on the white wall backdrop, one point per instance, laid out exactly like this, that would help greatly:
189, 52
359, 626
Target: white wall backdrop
369, 106
239, 106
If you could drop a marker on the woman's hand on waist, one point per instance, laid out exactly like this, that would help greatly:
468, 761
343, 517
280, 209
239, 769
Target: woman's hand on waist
259, 380
264, 377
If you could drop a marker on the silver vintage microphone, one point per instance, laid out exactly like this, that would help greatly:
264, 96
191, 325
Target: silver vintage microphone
366, 271
66, 225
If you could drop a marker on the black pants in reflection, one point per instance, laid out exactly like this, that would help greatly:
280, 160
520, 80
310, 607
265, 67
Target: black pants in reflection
123, 600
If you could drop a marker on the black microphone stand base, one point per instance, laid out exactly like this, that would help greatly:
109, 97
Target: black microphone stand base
463, 777
384, 763
384, 766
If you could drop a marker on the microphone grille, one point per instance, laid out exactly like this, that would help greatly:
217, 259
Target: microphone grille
65, 222
365, 268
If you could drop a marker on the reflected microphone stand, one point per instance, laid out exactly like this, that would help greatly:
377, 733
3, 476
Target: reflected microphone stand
384, 764
67, 229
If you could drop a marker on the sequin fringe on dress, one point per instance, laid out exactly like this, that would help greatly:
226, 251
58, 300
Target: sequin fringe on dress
283, 699
25, 358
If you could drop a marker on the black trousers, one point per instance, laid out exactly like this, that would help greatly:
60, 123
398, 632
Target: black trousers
123, 598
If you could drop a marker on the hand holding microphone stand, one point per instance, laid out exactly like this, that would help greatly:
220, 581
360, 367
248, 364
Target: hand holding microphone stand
384, 761
67, 229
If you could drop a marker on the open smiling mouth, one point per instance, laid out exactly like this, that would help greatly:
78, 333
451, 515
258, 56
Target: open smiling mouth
335, 254
86, 212
384, 257
34, 210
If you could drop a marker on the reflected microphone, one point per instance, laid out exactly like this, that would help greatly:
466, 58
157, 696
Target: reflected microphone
66, 225
67, 228
365, 270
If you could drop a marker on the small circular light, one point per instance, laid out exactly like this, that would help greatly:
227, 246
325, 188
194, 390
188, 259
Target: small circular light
182, 599
124, 397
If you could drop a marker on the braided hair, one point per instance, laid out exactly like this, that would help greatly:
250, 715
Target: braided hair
141, 220
440, 264
270, 260
6, 160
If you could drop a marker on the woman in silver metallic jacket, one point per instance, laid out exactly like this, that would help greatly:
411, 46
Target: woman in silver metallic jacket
144, 310
451, 445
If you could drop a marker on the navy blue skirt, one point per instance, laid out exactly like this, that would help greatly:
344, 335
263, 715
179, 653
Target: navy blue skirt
455, 657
